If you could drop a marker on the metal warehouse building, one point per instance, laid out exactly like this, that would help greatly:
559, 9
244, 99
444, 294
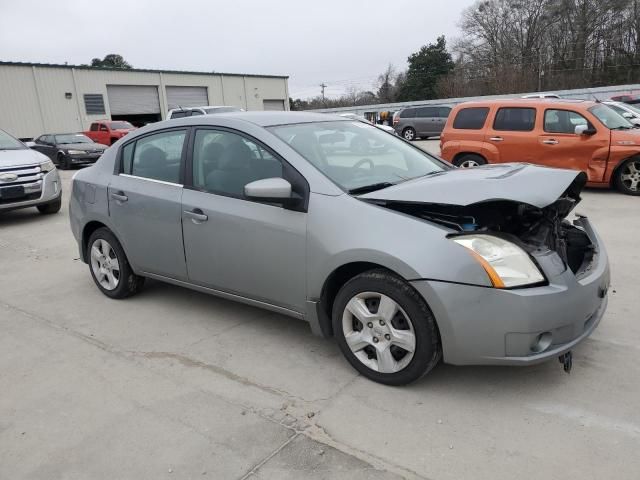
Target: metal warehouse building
43, 98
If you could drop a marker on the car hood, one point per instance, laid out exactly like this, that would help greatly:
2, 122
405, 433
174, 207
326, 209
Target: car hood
518, 182
625, 137
82, 146
19, 158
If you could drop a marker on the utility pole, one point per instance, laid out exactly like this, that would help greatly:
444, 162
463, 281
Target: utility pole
323, 86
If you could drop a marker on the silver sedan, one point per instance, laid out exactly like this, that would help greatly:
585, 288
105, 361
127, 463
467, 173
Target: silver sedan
402, 258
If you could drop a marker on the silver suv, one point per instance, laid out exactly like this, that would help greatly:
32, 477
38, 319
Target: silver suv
415, 122
27, 178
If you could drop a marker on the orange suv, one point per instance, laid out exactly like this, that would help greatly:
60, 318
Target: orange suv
574, 134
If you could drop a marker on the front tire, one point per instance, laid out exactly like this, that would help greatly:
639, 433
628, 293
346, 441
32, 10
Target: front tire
627, 177
385, 329
63, 162
409, 134
109, 266
50, 208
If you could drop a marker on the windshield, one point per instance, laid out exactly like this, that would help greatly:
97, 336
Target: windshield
72, 138
121, 126
7, 142
356, 156
610, 118
222, 109
633, 109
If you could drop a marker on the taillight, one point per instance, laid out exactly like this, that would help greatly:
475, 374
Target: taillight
396, 120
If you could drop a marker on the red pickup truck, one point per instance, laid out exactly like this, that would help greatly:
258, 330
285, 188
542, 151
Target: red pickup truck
108, 132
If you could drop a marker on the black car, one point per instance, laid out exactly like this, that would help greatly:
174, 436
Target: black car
68, 149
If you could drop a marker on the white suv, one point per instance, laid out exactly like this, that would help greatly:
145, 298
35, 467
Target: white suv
206, 110
27, 178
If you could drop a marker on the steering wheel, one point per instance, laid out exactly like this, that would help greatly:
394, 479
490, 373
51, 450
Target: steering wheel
360, 163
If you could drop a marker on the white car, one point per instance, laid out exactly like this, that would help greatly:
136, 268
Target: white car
353, 116
542, 95
630, 112
27, 178
206, 110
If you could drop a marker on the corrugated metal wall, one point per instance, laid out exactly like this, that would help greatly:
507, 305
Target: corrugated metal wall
34, 99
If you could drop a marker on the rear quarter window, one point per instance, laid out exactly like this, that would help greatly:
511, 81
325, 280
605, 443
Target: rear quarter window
408, 113
471, 118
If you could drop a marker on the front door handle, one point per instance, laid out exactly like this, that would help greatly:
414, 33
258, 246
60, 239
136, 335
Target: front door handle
550, 142
196, 215
119, 196
496, 139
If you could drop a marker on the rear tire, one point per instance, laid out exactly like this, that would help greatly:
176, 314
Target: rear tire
469, 160
627, 177
409, 134
381, 350
109, 266
49, 208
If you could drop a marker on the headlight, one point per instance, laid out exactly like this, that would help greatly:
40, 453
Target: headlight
75, 152
506, 264
47, 166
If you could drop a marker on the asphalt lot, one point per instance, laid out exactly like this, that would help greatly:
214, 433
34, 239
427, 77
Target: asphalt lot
177, 384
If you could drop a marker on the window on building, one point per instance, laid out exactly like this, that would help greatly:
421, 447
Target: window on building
472, 118
515, 119
94, 104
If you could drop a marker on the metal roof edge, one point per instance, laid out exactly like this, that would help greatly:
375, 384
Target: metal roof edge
141, 70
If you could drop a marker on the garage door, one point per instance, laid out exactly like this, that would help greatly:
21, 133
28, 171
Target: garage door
187, 97
133, 99
273, 104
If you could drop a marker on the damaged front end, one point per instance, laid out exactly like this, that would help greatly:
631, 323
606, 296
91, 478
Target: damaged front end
533, 228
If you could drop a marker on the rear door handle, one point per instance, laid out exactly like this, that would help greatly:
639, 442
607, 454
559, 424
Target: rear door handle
551, 142
196, 215
496, 139
119, 196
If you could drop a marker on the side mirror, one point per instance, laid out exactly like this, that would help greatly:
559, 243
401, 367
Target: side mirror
30, 144
276, 190
584, 130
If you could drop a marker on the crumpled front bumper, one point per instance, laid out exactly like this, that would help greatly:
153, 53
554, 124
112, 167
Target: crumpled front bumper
480, 325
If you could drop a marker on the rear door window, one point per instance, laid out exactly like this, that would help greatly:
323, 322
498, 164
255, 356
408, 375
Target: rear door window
515, 119
471, 118
443, 112
157, 157
94, 127
427, 112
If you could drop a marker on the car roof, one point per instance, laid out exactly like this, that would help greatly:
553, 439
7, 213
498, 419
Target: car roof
523, 102
266, 118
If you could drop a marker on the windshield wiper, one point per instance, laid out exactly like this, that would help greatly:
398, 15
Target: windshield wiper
622, 127
370, 188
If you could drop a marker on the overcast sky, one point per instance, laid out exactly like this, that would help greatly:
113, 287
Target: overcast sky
339, 42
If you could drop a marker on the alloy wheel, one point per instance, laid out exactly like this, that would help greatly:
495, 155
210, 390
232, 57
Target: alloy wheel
378, 332
409, 134
630, 176
104, 264
469, 164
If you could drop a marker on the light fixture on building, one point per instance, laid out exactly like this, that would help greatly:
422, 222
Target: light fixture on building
68, 95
